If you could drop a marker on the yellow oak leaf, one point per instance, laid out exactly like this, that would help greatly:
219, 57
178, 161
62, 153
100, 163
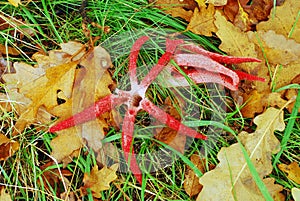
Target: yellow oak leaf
43, 91
202, 21
283, 20
99, 180
232, 179
62, 148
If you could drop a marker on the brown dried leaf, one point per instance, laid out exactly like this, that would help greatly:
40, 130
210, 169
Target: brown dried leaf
168, 135
176, 8
293, 171
235, 42
43, 91
98, 180
7, 147
202, 21
232, 171
217, 2
191, 182
52, 177
8, 50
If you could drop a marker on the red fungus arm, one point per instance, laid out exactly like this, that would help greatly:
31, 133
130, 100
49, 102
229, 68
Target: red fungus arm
170, 121
246, 76
218, 57
103, 105
134, 52
202, 62
127, 138
162, 62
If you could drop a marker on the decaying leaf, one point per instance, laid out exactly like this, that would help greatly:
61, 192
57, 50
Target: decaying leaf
245, 16
217, 2
231, 179
292, 170
7, 147
202, 21
191, 182
296, 194
98, 180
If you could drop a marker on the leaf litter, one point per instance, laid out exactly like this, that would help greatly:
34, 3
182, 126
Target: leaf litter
232, 179
275, 43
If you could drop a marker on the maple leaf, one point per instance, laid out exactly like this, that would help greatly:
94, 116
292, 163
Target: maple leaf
231, 179
98, 180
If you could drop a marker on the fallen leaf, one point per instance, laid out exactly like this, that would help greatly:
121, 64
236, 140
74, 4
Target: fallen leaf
4, 196
296, 194
283, 20
278, 49
191, 182
52, 177
7, 147
217, 2
168, 135
231, 179
43, 92
62, 149
15, 2
202, 21
176, 8
246, 16
293, 171
8, 50
280, 53
98, 180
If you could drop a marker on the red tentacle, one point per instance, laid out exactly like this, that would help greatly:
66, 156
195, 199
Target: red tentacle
169, 120
127, 138
103, 105
218, 57
203, 62
134, 52
198, 76
246, 76
162, 62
